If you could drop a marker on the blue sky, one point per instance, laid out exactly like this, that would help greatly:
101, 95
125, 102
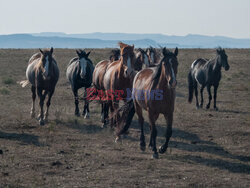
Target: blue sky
172, 17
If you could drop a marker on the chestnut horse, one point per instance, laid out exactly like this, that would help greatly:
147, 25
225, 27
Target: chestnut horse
43, 73
119, 77
98, 75
147, 83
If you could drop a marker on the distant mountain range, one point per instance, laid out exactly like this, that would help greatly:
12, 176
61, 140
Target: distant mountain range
110, 40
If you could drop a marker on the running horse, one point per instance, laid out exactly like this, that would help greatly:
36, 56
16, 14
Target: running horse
154, 91
98, 75
206, 73
79, 73
43, 73
118, 78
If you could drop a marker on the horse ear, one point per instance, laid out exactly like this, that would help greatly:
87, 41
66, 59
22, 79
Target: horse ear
78, 53
51, 50
164, 51
41, 51
87, 55
176, 51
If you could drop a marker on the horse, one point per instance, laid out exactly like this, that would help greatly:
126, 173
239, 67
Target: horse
115, 55
79, 73
119, 77
206, 73
152, 55
142, 59
98, 74
154, 91
43, 73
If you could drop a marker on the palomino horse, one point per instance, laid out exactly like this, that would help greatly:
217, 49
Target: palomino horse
206, 73
154, 91
79, 73
42, 72
98, 75
152, 55
119, 77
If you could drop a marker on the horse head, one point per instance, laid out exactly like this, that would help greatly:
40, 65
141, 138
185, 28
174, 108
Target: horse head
170, 64
45, 62
127, 59
115, 55
83, 62
152, 55
222, 58
142, 59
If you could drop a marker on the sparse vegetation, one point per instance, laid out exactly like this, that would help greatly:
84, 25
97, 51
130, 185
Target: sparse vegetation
208, 148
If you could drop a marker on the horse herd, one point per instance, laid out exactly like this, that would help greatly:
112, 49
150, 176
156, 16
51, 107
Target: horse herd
142, 79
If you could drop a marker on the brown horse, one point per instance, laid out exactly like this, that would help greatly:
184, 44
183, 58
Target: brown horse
43, 73
154, 91
152, 55
119, 77
98, 75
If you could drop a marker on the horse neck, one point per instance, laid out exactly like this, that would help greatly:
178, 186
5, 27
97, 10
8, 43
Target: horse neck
217, 65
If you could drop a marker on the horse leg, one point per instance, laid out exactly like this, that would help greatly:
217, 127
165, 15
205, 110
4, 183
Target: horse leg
209, 96
85, 112
196, 95
48, 104
138, 110
106, 113
41, 97
215, 96
102, 112
32, 112
169, 120
201, 92
75, 91
152, 118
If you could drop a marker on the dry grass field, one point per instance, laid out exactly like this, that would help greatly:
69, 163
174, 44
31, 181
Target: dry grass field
208, 148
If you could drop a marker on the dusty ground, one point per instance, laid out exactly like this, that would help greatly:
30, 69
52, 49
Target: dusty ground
208, 148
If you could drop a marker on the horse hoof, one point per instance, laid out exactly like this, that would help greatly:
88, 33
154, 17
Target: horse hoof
41, 122
155, 156
201, 106
77, 114
117, 139
142, 147
86, 116
162, 150
216, 109
197, 107
207, 107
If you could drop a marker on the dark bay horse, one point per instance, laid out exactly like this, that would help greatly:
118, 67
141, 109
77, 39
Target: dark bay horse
98, 75
152, 55
119, 77
79, 73
206, 73
154, 91
43, 73
142, 59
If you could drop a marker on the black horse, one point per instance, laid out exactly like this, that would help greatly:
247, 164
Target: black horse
79, 73
206, 73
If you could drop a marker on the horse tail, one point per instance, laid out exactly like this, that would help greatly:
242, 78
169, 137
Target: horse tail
128, 112
24, 83
190, 87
